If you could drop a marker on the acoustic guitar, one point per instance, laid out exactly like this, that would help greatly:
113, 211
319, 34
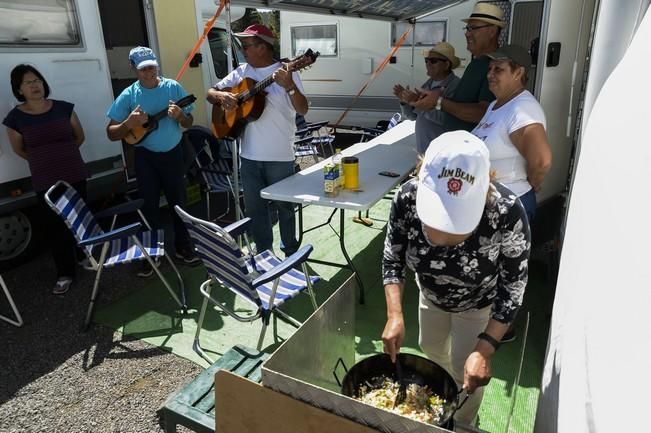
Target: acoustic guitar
138, 133
250, 96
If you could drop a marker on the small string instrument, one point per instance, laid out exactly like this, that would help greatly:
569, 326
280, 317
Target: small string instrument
138, 133
250, 96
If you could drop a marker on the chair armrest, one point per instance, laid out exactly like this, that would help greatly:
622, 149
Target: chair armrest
238, 227
121, 232
318, 125
372, 130
126, 207
212, 170
302, 132
305, 140
297, 258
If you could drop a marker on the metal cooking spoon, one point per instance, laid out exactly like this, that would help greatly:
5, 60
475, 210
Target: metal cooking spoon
402, 390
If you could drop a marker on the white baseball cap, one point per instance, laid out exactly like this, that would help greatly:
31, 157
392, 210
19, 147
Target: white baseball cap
453, 182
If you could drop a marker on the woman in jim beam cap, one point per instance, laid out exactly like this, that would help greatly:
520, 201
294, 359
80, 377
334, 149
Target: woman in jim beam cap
467, 241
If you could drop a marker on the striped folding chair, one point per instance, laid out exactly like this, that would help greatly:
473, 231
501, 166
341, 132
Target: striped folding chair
17, 320
213, 163
263, 280
116, 247
309, 141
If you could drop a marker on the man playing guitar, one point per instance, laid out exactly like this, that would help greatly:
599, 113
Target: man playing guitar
267, 154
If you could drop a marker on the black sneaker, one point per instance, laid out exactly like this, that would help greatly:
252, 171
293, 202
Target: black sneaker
187, 256
146, 270
509, 336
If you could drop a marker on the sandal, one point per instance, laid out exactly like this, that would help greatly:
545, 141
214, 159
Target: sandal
62, 286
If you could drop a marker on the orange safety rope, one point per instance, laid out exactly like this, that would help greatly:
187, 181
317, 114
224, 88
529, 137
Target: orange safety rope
206, 30
374, 75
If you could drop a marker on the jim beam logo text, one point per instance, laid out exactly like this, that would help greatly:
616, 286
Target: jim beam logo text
457, 176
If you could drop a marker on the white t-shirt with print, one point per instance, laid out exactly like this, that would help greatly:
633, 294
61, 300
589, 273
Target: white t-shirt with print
495, 128
271, 137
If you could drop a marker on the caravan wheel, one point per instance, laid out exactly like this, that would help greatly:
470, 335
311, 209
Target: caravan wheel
16, 239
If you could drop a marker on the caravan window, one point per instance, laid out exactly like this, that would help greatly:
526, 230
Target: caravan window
425, 33
39, 22
321, 38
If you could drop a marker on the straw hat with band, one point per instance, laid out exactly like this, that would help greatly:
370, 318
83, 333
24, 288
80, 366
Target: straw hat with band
446, 50
487, 13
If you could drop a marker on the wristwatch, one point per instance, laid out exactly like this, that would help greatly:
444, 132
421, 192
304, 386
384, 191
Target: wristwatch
438, 103
291, 91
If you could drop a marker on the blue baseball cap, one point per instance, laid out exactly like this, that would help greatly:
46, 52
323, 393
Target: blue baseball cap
141, 57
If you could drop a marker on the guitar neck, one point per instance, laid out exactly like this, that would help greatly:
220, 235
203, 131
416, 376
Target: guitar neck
259, 86
181, 103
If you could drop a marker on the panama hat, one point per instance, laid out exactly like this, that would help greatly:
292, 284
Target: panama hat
487, 13
446, 50
452, 183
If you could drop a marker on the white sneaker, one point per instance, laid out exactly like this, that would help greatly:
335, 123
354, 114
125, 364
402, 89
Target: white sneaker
62, 286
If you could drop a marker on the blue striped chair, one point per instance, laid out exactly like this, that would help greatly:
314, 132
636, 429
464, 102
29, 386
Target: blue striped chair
213, 162
309, 141
118, 246
262, 280
17, 320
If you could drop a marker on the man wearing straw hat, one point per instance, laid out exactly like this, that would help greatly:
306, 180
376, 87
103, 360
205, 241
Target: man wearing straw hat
467, 106
439, 62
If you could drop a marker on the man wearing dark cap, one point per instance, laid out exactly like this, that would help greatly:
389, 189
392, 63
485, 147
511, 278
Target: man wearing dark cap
468, 104
267, 154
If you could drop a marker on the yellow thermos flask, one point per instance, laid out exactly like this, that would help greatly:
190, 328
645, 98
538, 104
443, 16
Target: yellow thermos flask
351, 172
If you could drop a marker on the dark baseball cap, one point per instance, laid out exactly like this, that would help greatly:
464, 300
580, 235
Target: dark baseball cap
518, 54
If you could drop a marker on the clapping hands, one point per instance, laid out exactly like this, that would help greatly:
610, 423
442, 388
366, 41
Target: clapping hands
406, 95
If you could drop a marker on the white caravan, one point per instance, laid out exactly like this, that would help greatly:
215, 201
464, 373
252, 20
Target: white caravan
81, 48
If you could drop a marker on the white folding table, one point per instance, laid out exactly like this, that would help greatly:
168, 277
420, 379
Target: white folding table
395, 151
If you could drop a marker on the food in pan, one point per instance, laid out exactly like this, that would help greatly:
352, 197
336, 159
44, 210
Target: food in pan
420, 404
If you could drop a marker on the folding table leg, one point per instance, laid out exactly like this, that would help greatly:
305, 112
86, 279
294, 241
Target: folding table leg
363, 220
348, 260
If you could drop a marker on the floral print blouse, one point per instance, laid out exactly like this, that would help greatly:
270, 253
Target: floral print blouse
490, 267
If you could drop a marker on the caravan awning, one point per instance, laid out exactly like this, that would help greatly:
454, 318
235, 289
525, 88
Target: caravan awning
389, 10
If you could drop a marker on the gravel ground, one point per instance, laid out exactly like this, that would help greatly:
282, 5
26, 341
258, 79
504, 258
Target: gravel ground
55, 378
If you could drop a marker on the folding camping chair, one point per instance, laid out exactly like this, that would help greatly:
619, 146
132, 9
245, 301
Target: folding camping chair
18, 320
117, 246
213, 165
310, 142
262, 280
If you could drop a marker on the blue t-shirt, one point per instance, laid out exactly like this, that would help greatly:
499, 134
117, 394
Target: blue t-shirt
152, 101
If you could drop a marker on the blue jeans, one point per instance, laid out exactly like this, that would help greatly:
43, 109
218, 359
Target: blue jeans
528, 200
257, 175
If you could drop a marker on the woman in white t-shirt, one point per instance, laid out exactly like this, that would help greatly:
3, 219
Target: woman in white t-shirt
513, 127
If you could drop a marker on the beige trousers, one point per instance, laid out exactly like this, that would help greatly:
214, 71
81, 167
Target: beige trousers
448, 339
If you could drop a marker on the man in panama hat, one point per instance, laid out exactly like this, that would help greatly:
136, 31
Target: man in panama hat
440, 60
465, 108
